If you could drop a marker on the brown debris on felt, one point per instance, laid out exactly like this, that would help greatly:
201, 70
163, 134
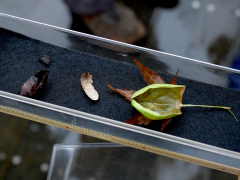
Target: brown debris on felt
44, 59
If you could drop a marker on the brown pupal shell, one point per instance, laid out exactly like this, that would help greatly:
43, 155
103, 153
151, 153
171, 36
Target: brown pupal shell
35, 85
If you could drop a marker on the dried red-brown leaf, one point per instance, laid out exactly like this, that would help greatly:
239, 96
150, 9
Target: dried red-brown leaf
149, 75
164, 123
139, 119
174, 81
124, 92
35, 85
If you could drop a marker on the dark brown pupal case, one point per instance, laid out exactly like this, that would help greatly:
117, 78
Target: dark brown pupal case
35, 85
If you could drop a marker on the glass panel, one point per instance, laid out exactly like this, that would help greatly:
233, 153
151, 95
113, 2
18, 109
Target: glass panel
112, 161
121, 52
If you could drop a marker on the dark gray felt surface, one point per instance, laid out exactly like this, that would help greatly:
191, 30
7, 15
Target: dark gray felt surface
19, 60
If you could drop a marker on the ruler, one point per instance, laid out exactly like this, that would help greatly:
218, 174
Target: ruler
122, 141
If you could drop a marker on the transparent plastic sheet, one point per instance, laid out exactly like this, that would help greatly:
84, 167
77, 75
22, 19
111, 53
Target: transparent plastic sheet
110, 161
102, 161
117, 51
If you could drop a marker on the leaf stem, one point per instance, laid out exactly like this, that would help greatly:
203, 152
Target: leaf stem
221, 107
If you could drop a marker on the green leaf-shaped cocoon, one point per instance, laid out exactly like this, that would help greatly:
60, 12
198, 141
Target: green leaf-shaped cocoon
159, 101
